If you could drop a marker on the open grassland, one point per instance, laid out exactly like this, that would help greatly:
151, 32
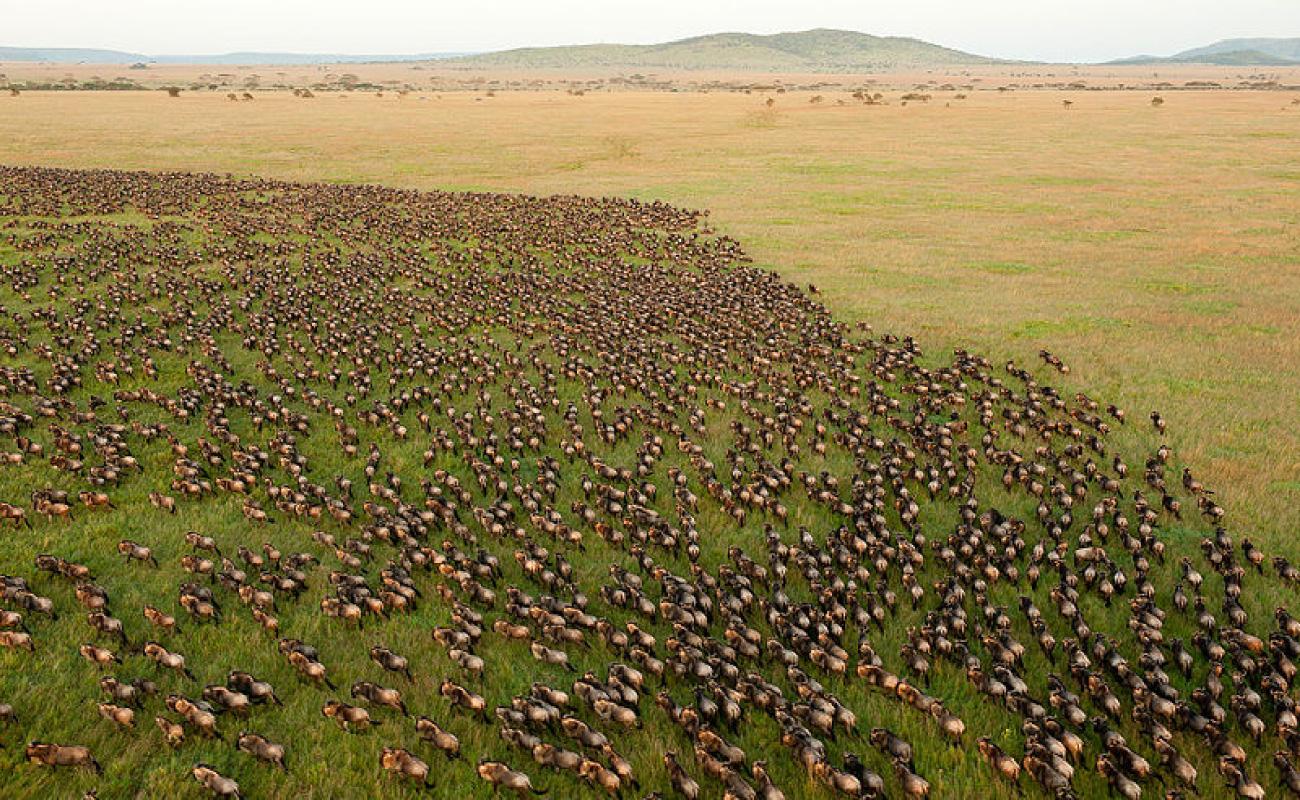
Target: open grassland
444, 76
1152, 248
561, 413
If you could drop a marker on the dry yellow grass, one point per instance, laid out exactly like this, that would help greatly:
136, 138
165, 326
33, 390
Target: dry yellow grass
443, 75
1154, 249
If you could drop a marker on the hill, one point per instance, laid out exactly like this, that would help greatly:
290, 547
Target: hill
78, 55
1282, 49
820, 50
1231, 52
70, 55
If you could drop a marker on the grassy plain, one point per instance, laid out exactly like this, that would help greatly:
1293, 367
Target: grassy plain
440, 76
1152, 248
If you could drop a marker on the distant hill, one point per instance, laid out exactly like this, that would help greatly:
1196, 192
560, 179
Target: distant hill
69, 55
820, 50
1232, 53
76, 55
1287, 49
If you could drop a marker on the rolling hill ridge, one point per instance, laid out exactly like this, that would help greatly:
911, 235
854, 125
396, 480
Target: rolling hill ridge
820, 50
75, 55
817, 50
1232, 52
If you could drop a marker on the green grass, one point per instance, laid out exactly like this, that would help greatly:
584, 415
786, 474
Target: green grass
54, 690
1002, 267
1162, 212
1043, 329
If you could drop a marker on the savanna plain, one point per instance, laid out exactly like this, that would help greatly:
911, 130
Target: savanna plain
1151, 247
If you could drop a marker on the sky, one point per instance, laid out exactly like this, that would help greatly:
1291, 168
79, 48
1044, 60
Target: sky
1049, 30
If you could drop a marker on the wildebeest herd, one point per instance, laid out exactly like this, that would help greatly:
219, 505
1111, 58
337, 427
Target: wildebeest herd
336, 491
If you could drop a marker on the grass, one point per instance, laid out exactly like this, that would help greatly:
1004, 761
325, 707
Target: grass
56, 701
325, 762
1118, 198
1002, 267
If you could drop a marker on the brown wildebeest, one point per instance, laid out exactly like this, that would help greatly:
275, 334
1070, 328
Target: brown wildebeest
400, 761
62, 755
215, 782
502, 776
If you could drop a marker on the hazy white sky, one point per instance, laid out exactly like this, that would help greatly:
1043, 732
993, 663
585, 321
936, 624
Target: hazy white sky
1058, 30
